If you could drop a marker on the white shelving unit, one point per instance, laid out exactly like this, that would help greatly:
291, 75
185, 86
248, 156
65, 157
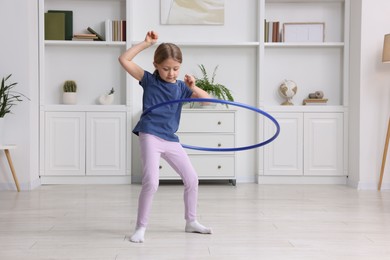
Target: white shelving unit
314, 142
95, 149
251, 68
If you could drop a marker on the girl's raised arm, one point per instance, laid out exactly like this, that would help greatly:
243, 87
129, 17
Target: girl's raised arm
126, 59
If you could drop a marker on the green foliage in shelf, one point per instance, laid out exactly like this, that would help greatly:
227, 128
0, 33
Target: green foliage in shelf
8, 97
219, 91
70, 86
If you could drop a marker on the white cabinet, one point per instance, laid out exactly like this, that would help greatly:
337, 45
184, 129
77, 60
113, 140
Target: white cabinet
211, 129
312, 145
105, 142
309, 144
323, 144
86, 139
284, 156
79, 143
64, 143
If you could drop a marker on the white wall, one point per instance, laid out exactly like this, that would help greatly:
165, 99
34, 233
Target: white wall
19, 57
370, 93
236, 71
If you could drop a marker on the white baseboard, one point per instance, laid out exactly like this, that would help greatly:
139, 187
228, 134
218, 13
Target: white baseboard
45, 180
262, 179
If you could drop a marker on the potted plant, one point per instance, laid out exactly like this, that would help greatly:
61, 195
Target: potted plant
8, 99
216, 90
70, 92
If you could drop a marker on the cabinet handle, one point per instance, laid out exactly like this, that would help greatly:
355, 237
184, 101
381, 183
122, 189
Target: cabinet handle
219, 123
160, 167
219, 144
219, 167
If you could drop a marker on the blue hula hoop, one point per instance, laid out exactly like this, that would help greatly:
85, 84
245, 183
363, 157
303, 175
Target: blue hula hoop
237, 104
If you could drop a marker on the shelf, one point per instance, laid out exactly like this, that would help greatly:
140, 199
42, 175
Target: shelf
314, 108
304, 1
84, 43
212, 44
87, 108
303, 44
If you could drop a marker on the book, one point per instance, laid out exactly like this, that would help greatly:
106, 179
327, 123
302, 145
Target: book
108, 30
275, 31
115, 30
68, 22
54, 26
82, 39
100, 38
315, 101
86, 35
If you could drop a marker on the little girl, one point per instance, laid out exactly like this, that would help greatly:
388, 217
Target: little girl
156, 130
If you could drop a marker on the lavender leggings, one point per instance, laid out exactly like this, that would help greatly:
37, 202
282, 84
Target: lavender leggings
152, 148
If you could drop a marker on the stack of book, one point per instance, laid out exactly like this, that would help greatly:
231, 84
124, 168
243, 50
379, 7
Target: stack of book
115, 30
84, 37
272, 31
315, 101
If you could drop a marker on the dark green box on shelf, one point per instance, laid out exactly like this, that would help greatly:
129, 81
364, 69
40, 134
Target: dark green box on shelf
54, 26
68, 22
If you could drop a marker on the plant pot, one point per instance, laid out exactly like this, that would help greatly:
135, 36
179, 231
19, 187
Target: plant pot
69, 98
106, 99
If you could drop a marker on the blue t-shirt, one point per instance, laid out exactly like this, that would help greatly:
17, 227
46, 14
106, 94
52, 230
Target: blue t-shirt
162, 121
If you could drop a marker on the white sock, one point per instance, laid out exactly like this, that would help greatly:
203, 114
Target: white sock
138, 235
196, 227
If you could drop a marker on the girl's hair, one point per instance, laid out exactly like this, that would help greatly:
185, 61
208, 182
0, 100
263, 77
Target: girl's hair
165, 51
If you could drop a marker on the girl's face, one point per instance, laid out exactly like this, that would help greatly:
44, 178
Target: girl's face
168, 70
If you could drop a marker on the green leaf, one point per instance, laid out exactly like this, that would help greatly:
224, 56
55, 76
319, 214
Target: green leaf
8, 97
218, 90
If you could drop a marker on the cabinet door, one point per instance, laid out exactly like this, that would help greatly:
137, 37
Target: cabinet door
106, 143
284, 156
323, 144
64, 143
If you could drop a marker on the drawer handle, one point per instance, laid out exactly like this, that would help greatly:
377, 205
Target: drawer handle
160, 167
219, 167
219, 144
219, 123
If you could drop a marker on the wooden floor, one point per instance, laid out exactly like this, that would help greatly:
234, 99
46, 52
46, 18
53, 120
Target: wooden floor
249, 221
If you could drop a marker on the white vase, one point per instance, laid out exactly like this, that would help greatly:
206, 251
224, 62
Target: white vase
69, 98
2, 130
106, 99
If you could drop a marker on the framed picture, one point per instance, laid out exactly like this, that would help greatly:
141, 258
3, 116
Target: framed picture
304, 32
192, 12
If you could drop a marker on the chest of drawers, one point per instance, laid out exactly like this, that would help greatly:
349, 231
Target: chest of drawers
210, 128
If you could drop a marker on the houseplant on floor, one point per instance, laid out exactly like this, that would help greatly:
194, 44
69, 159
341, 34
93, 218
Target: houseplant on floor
8, 99
215, 90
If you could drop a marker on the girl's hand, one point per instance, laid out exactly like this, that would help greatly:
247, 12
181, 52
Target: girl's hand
190, 81
151, 37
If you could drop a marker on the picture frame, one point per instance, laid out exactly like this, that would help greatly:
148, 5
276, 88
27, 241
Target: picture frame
194, 12
304, 32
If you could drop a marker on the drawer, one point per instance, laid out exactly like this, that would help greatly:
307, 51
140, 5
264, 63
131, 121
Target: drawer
207, 140
207, 122
206, 166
